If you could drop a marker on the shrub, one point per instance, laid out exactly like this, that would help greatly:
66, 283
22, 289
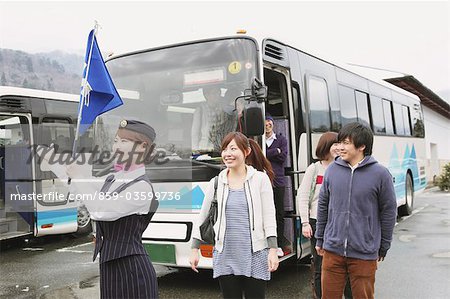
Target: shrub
443, 181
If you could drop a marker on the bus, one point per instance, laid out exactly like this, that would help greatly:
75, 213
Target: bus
306, 96
33, 201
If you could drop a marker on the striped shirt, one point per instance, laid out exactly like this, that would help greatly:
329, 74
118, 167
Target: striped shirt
237, 257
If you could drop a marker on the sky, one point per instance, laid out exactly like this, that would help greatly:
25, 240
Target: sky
407, 37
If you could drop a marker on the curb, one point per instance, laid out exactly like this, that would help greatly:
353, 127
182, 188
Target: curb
431, 189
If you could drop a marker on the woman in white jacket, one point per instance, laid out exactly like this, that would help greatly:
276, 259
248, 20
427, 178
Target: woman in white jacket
308, 196
245, 230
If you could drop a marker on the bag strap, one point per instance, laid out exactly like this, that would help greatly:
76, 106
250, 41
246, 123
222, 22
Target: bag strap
216, 182
313, 186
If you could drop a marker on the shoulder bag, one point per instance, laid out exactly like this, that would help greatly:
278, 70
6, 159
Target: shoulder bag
207, 227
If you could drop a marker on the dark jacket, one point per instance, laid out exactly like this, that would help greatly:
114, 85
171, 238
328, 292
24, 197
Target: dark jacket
278, 159
122, 237
357, 210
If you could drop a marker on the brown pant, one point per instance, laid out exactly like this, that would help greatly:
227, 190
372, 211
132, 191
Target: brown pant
334, 272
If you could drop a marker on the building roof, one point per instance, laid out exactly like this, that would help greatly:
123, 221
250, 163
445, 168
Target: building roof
426, 95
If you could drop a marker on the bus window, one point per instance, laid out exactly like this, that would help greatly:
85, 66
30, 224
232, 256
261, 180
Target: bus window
377, 115
406, 120
348, 106
318, 105
276, 94
60, 133
362, 108
13, 131
418, 128
387, 108
61, 107
335, 107
299, 108
398, 119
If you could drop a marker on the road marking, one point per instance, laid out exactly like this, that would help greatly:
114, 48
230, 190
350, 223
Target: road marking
32, 249
406, 238
71, 248
442, 255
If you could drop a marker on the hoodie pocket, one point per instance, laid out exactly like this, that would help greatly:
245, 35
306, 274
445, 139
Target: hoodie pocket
360, 235
335, 229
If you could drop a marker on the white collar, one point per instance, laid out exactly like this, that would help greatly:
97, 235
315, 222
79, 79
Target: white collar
273, 136
356, 165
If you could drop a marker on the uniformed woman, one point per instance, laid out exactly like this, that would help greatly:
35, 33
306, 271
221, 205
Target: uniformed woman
122, 214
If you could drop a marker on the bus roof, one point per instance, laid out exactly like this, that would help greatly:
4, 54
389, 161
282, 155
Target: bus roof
346, 67
36, 93
260, 39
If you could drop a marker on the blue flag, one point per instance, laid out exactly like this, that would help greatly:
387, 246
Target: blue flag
98, 93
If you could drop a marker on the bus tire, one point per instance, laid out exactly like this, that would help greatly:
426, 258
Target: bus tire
407, 208
83, 221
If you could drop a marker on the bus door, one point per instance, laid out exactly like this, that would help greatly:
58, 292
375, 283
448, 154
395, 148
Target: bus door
279, 106
16, 175
56, 211
283, 79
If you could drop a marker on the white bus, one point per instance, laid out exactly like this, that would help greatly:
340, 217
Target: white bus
306, 96
34, 202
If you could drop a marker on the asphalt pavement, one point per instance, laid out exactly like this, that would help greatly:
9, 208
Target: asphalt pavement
417, 265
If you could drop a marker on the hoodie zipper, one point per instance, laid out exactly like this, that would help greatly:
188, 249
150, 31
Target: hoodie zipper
253, 208
221, 211
348, 214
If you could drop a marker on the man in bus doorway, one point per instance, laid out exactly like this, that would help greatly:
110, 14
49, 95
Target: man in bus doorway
356, 216
276, 151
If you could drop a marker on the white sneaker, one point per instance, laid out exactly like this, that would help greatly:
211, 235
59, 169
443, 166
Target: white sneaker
280, 252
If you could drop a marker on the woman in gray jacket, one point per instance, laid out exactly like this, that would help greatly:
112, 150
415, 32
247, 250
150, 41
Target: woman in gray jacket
245, 231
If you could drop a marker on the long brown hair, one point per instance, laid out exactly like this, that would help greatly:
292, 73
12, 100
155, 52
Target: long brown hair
255, 158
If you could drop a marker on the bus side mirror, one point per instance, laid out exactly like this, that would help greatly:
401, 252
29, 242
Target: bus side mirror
259, 90
254, 122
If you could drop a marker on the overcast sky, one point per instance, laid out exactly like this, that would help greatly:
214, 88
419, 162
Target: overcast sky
408, 37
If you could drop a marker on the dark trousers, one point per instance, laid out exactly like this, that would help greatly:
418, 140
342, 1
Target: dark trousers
131, 276
334, 273
235, 286
317, 268
278, 197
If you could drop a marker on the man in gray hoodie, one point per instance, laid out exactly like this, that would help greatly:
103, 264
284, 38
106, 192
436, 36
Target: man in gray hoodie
356, 215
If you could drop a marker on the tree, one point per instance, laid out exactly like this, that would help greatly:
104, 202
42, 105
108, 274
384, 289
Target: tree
29, 64
50, 85
3, 80
419, 130
443, 181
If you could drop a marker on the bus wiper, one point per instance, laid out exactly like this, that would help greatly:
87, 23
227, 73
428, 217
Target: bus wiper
210, 165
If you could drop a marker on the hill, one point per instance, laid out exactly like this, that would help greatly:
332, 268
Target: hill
54, 71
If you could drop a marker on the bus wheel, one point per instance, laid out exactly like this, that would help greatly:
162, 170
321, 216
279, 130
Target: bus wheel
84, 221
407, 208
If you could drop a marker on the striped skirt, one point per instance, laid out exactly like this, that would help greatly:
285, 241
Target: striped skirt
128, 277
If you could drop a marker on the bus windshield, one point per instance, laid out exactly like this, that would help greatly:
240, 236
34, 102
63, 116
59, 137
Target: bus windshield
187, 94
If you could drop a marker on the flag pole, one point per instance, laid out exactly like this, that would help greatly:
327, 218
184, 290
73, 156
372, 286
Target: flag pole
83, 91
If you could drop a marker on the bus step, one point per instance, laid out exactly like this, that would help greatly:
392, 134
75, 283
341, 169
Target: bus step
10, 235
285, 257
8, 225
